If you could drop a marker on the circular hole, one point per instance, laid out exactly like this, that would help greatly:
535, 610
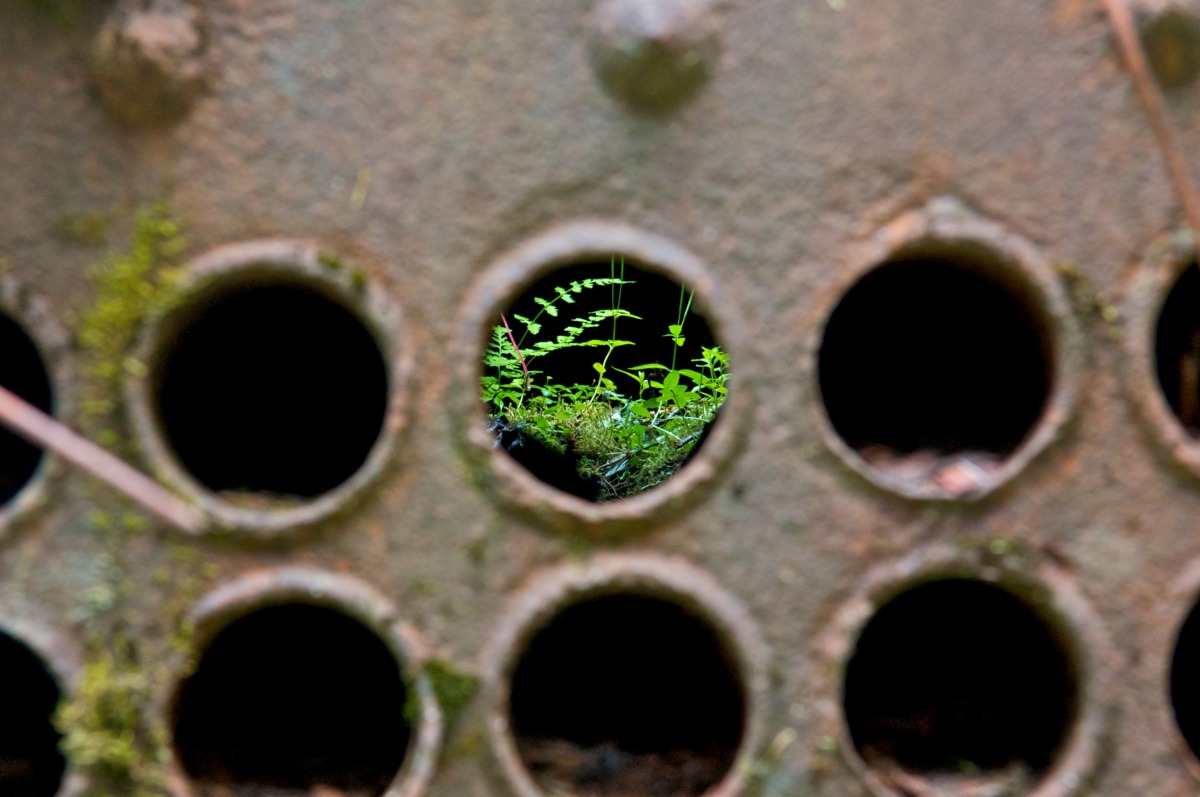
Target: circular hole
294, 697
30, 762
1185, 690
959, 677
270, 389
1172, 42
1177, 350
934, 367
23, 372
626, 695
603, 434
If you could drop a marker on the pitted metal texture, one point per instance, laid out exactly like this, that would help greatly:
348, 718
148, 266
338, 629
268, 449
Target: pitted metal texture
402, 172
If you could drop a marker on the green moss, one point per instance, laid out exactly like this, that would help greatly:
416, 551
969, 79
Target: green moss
107, 730
771, 774
129, 286
109, 726
67, 13
452, 687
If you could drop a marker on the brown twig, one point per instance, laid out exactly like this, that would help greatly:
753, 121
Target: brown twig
1121, 18
42, 430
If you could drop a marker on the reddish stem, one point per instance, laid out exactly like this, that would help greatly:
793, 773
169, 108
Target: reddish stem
1125, 28
517, 349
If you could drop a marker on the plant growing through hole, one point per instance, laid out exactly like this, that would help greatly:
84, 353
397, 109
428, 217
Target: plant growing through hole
627, 430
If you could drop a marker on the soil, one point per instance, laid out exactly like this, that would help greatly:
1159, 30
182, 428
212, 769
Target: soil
565, 769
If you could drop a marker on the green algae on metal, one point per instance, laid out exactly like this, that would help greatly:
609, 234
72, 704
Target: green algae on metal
109, 728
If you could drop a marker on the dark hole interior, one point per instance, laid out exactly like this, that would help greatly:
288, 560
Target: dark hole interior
272, 388
1185, 680
1177, 349
1172, 42
925, 354
956, 676
657, 300
30, 763
294, 696
22, 372
630, 695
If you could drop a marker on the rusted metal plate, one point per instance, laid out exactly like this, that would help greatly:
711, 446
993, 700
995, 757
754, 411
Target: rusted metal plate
416, 165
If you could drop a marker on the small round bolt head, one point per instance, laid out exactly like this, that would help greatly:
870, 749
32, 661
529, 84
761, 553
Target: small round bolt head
654, 55
148, 60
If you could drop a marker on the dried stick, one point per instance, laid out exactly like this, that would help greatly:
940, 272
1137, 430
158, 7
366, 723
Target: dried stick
1121, 18
43, 431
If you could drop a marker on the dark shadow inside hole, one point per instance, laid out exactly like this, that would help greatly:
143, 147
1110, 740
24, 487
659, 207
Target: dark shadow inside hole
1177, 349
23, 372
1185, 681
658, 302
929, 353
294, 696
30, 762
271, 388
956, 676
630, 695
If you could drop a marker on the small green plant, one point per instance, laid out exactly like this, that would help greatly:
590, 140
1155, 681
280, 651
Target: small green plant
630, 428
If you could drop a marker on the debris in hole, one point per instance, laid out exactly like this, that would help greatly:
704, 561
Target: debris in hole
1014, 779
559, 470
958, 474
562, 767
1189, 385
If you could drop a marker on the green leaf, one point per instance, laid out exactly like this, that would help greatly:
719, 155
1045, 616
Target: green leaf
640, 410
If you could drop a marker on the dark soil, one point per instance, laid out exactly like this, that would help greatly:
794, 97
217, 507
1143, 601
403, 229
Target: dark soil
563, 768
253, 790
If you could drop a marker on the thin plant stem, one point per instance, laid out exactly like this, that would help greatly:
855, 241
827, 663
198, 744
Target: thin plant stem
681, 315
520, 356
1121, 18
615, 293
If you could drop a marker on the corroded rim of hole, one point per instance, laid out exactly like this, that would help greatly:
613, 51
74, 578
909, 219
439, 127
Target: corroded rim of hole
1153, 280
1181, 608
272, 589
61, 661
667, 579
505, 279
298, 266
947, 232
1035, 580
51, 342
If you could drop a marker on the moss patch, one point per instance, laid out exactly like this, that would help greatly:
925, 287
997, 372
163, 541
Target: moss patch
109, 727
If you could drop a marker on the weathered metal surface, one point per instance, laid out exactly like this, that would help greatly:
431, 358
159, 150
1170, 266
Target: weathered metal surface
448, 153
